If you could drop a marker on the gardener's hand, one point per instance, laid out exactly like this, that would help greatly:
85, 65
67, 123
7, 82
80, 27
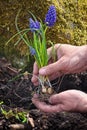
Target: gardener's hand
70, 100
70, 59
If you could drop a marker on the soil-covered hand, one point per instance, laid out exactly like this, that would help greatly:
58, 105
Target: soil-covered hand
70, 100
70, 59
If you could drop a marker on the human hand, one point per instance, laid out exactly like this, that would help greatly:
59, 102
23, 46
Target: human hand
70, 59
70, 100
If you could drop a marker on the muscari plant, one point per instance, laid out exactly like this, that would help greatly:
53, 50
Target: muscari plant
38, 44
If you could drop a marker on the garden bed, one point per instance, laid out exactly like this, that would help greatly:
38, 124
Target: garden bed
16, 90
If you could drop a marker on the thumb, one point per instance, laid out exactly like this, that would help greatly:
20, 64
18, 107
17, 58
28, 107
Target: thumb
56, 99
51, 69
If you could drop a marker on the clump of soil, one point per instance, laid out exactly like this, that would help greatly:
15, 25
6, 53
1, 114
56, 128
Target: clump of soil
16, 90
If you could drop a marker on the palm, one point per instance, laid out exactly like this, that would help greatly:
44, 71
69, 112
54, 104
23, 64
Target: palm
70, 100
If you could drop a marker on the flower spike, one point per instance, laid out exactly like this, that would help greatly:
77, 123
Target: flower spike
50, 18
34, 25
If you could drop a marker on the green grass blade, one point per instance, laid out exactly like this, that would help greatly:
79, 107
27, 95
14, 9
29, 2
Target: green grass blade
16, 35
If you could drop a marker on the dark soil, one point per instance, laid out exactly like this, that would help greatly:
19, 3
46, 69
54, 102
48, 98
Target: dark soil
16, 92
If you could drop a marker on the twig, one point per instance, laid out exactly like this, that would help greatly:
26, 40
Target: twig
16, 127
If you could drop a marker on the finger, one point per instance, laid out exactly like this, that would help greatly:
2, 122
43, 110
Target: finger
35, 73
50, 69
59, 66
35, 69
34, 80
46, 108
55, 99
35, 83
55, 75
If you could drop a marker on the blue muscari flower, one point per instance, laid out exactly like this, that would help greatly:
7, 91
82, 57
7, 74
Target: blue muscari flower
32, 51
34, 25
50, 18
